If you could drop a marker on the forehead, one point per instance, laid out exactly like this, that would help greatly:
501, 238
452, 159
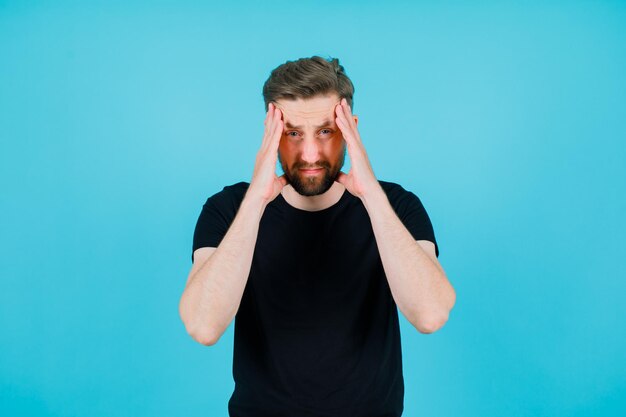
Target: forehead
309, 110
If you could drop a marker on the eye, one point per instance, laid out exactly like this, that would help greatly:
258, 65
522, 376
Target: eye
326, 132
292, 134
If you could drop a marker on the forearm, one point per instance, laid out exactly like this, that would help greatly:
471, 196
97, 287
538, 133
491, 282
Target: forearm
418, 285
212, 297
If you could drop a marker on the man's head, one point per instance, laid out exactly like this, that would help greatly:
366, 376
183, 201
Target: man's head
312, 149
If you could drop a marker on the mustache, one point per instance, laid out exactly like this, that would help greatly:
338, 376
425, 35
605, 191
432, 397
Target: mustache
318, 164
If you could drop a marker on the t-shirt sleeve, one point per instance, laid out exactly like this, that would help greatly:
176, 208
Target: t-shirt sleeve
217, 214
413, 215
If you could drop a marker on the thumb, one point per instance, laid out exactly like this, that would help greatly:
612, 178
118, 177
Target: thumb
283, 180
342, 178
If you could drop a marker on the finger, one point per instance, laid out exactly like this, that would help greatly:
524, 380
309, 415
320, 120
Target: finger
276, 136
346, 115
342, 110
275, 114
348, 112
342, 178
349, 124
278, 128
283, 180
346, 131
340, 116
338, 111
267, 113
278, 114
268, 119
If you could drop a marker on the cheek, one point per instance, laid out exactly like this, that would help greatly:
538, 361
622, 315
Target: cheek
286, 150
284, 144
335, 145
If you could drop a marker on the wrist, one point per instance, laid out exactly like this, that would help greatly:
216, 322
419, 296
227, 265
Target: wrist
374, 195
253, 202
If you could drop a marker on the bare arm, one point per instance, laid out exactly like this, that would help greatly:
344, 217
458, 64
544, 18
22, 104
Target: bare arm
418, 283
219, 275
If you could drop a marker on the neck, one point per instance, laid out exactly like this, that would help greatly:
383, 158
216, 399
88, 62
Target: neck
316, 202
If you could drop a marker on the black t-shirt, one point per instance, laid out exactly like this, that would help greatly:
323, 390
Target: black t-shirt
317, 331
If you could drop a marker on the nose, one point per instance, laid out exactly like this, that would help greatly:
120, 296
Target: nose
310, 151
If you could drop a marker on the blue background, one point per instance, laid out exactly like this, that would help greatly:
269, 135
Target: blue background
117, 121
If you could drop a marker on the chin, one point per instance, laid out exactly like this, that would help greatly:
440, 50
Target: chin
310, 189
310, 192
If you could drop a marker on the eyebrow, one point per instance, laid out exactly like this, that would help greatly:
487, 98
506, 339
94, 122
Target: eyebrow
325, 123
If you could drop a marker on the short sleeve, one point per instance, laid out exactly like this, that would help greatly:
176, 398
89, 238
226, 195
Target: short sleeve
412, 213
216, 216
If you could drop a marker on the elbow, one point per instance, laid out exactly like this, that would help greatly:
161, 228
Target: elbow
204, 334
430, 322
205, 338
428, 325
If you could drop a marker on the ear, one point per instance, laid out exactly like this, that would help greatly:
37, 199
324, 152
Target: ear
356, 119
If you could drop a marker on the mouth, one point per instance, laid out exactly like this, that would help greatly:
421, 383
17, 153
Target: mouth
311, 171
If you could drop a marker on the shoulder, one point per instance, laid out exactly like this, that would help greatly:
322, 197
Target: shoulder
232, 191
394, 190
411, 212
389, 186
403, 201
237, 190
229, 196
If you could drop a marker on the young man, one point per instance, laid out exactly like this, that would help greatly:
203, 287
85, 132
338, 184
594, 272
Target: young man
313, 264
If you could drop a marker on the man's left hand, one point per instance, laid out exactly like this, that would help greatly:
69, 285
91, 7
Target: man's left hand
360, 180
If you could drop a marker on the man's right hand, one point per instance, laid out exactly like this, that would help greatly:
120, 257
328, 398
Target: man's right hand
265, 184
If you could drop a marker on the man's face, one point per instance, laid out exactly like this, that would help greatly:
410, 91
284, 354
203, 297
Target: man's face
312, 149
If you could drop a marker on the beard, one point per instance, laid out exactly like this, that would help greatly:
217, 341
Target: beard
310, 185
